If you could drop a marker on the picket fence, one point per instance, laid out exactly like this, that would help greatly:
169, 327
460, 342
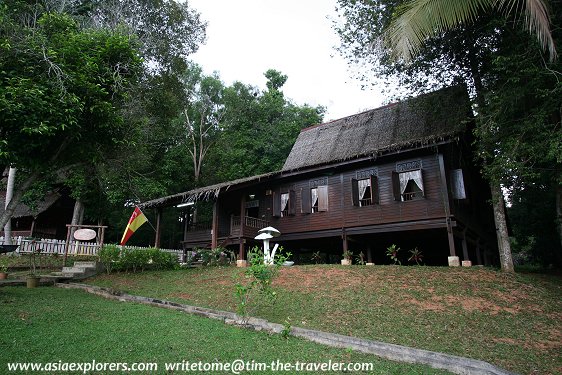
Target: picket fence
48, 246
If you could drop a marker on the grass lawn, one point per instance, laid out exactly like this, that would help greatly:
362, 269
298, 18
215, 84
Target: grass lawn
513, 321
49, 324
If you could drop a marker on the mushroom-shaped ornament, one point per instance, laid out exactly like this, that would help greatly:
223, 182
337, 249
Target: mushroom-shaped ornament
270, 230
265, 237
268, 257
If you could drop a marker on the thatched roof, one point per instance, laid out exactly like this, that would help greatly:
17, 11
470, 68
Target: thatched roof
419, 121
203, 193
415, 122
23, 210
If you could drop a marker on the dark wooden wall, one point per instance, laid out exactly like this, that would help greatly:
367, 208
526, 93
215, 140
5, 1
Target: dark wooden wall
341, 212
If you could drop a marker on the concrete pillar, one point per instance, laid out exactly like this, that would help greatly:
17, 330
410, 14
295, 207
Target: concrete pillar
454, 261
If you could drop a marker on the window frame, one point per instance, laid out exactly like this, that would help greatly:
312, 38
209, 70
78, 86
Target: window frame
408, 167
373, 189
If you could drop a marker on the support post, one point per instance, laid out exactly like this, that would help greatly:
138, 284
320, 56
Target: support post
446, 206
370, 256
478, 255
158, 229
215, 226
451, 237
242, 215
344, 238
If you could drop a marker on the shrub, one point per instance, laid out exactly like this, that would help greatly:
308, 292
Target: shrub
109, 257
213, 257
136, 260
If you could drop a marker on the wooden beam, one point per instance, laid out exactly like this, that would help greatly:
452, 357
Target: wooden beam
478, 255
369, 254
446, 205
215, 226
241, 249
344, 239
242, 215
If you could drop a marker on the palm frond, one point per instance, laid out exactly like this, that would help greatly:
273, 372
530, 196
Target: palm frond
537, 20
418, 20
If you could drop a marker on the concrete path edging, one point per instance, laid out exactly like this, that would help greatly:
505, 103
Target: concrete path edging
452, 363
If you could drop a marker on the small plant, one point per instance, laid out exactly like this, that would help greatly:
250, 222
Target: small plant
3, 264
347, 255
259, 277
286, 331
35, 251
415, 256
392, 252
361, 259
316, 257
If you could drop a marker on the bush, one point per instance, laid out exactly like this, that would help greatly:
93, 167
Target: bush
213, 257
136, 260
109, 257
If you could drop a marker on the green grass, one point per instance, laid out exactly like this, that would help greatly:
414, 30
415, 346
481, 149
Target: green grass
49, 324
512, 321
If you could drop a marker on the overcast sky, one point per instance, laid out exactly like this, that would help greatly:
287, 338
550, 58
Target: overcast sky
247, 37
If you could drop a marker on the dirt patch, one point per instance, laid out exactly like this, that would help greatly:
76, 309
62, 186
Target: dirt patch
314, 278
180, 295
467, 303
531, 345
427, 305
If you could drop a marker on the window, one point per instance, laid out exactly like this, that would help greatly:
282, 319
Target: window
284, 204
408, 185
314, 199
365, 191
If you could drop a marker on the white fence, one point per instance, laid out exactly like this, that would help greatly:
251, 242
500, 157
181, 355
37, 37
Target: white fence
56, 247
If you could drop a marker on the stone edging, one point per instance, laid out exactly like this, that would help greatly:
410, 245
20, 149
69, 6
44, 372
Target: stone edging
454, 364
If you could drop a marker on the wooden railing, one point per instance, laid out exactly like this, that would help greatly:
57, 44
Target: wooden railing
200, 226
252, 222
365, 202
412, 196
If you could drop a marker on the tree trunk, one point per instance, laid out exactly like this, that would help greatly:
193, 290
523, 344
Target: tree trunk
559, 210
77, 216
16, 198
9, 194
504, 246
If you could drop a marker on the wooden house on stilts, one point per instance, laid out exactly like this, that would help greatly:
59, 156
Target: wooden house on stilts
402, 174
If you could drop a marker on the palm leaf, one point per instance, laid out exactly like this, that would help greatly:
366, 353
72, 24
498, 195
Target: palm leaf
418, 20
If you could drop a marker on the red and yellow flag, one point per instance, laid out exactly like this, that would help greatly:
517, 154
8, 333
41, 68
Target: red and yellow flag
137, 219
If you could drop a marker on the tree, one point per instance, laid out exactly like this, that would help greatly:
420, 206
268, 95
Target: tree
260, 128
417, 20
468, 53
202, 118
61, 87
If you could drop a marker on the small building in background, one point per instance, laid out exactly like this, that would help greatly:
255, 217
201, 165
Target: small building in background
47, 218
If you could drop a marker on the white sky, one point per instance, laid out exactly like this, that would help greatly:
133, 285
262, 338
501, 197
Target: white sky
247, 37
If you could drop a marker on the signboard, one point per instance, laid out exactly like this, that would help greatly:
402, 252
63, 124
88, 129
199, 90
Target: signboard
85, 234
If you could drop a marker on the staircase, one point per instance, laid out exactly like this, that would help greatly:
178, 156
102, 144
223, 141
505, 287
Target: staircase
80, 270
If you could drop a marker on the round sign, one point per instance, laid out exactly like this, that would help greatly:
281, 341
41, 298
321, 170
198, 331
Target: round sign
85, 234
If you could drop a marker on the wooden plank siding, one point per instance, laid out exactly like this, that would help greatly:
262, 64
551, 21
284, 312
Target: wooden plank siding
342, 213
